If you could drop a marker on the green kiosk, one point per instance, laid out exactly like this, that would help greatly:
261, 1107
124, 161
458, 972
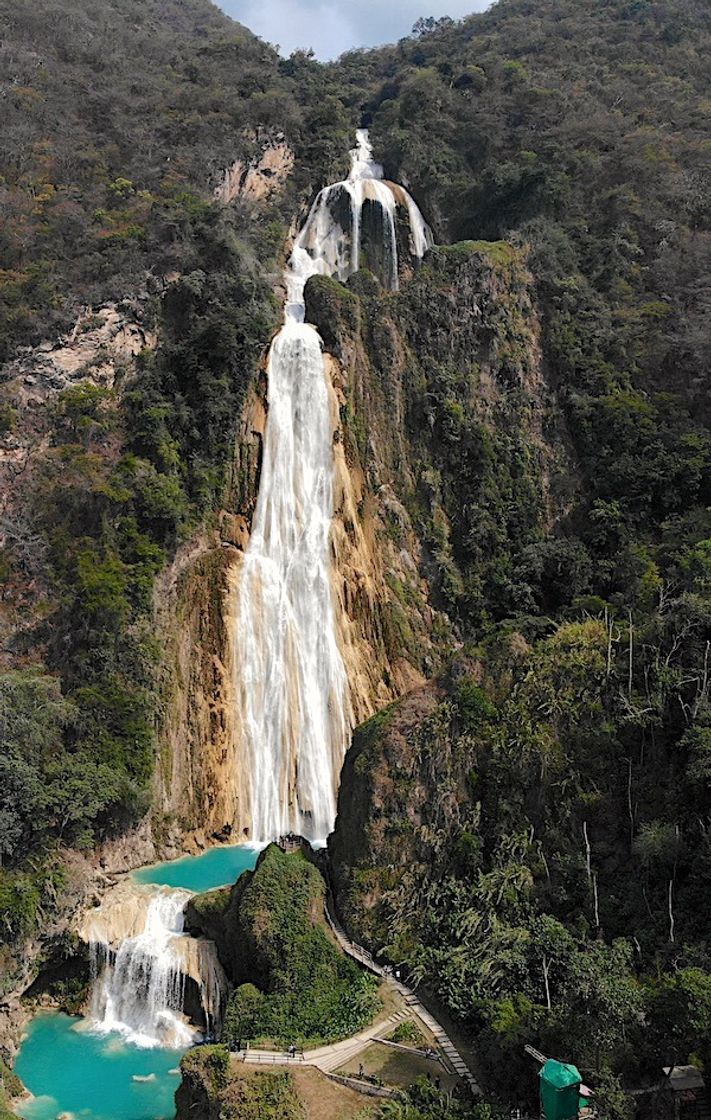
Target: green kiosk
560, 1091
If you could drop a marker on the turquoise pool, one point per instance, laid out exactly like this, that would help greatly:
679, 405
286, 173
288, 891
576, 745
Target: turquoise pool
71, 1070
214, 868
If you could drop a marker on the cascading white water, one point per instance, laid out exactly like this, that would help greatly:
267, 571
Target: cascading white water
139, 988
293, 683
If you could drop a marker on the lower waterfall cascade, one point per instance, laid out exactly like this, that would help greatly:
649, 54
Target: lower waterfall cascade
140, 983
292, 681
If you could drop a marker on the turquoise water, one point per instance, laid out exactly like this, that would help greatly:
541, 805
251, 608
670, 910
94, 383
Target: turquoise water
71, 1070
215, 868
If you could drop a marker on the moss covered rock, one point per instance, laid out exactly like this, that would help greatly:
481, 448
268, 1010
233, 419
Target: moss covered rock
333, 310
292, 983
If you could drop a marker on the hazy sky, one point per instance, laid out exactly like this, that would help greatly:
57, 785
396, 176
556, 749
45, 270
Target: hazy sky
336, 26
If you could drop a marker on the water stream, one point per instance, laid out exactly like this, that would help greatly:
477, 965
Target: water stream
101, 1070
139, 987
296, 715
142, 960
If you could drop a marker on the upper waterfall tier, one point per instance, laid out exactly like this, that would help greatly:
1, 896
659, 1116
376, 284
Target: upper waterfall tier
354, 224
295, 709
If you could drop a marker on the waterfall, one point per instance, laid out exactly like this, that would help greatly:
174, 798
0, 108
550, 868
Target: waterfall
292, 680
141, 962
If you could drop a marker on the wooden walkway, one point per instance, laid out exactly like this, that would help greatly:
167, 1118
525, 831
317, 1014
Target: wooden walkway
411, 1000
330, 1058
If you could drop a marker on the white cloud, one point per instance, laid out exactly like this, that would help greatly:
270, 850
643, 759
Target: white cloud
331, 28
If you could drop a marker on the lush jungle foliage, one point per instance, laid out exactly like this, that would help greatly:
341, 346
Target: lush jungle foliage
300, 988
423, 1101
208, 1084
117, 124
558, 856
291, 983
561, 857
532, 841
578, 129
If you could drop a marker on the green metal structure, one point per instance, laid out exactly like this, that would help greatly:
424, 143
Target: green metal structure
560, 1090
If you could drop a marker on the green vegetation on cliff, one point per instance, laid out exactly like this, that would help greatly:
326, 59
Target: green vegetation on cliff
578, 131
530, 833
10, 1087
128, 474
293, 983
119, 121
210, 1090
511, 834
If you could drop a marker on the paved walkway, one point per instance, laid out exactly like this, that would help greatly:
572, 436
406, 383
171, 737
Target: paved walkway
330, 1058
325, 1058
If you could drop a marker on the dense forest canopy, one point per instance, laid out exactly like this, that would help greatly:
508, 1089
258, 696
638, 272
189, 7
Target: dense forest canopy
574, 721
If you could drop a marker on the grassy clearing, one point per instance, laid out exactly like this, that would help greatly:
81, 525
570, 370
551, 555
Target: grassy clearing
396, 1068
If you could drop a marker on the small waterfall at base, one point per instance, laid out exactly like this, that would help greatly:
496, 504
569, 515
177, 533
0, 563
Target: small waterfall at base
140, 983
292, 679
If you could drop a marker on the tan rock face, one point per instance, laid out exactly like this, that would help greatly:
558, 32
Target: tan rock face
360, 566
100, 345
259, 179
198, 787
393, 633
201, 783
122, 915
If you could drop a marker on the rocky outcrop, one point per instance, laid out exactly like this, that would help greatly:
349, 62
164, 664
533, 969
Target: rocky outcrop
409, 794
255, 180
197, 785
99, 352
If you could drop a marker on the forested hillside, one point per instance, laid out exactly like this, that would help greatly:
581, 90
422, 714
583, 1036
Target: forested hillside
528, 832
546, 805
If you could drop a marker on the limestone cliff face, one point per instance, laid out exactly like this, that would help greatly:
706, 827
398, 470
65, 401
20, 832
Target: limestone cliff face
440, 409
443, 412
198, 790
201, 794
455, 451
256, 179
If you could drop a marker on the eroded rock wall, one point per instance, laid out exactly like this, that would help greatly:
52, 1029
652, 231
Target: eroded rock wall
439, 402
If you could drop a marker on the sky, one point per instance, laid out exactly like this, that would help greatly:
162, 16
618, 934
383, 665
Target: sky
331, 27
